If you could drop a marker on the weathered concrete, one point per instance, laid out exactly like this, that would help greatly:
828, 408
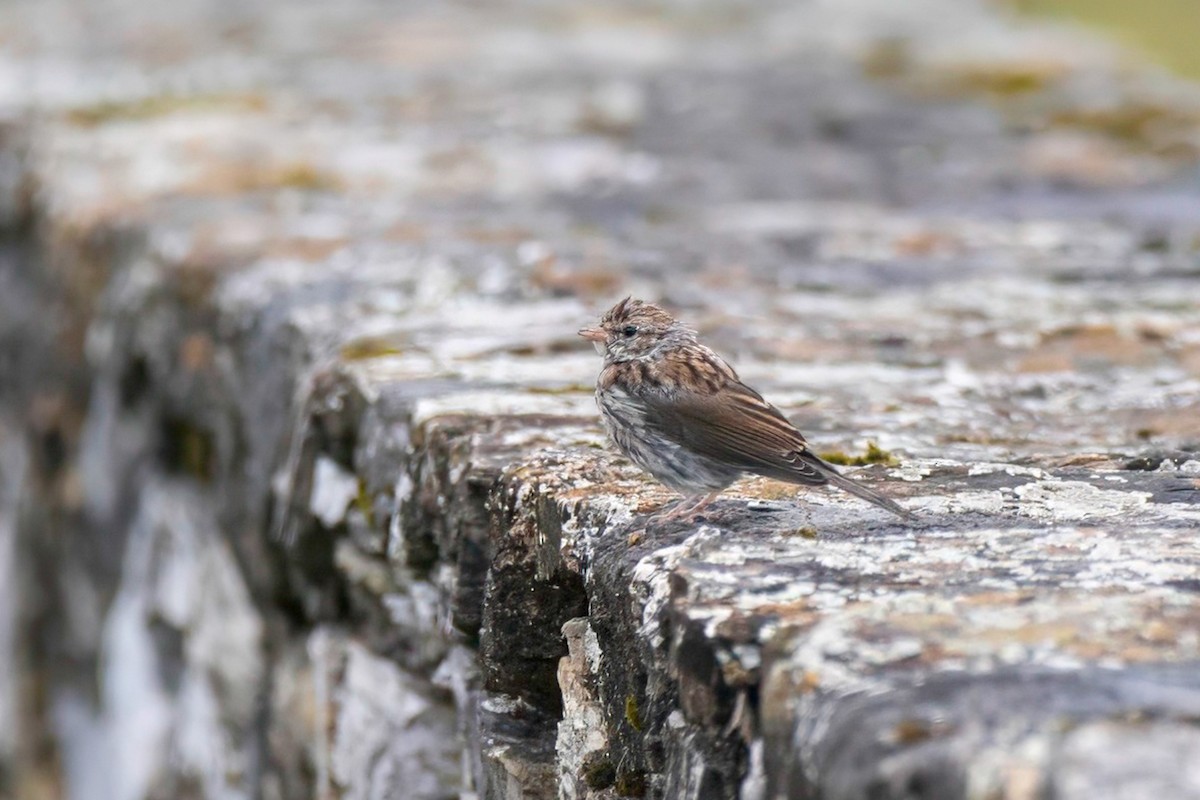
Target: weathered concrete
302, 490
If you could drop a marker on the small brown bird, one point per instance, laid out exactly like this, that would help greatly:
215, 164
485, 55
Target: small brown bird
678, 411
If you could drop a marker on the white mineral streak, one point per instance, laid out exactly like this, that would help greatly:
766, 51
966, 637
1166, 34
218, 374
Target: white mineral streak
988, 468
582, 730
1011, 769
964, 502
420, 613
403, 494
912, 471
650, 590
1075, 500
325, 657
390, 741
754, 785
1169, 751
334, 489
179, 573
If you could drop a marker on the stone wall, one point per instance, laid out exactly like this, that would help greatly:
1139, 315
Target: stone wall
302, 488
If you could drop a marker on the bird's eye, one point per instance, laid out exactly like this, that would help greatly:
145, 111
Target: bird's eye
629, 330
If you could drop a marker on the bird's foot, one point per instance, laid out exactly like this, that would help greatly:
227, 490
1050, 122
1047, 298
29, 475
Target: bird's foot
688, 508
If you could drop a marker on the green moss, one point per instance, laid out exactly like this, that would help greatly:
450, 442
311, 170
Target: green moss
370, 347
836, 457
1006, 79
364, 504
1165, 30
632, 716
874, 455
913, 731
887, 58
1151, 126
599, 773
196, 449
306, 177
877, 455
159, 106
631, 784
1127, 122
189, 449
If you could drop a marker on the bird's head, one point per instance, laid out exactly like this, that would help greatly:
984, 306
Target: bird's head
632, 329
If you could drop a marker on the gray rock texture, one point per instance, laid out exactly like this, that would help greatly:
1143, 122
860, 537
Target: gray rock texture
302, 487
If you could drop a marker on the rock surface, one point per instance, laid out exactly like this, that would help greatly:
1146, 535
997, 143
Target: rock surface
302, 488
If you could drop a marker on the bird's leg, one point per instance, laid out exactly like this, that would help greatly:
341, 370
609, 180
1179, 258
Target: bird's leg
686, 507
676, 510
702, 503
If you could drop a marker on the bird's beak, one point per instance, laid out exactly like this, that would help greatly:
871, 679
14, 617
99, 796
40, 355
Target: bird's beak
593, 334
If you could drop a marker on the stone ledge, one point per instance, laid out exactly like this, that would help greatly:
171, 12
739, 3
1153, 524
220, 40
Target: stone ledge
336, 517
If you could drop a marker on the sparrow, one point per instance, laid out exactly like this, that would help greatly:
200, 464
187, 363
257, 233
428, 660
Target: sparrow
678, 411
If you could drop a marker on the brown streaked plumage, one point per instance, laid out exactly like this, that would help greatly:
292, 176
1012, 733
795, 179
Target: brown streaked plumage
682, 414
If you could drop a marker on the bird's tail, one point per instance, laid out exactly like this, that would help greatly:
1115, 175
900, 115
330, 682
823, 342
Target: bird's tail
855, 488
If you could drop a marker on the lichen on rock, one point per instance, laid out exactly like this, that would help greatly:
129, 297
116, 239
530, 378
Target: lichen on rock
302, 486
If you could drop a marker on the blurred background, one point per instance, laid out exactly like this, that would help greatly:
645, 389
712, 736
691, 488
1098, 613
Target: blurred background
963, 229
1162, 30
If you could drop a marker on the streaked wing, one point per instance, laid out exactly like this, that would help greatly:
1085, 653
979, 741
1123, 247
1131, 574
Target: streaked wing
722, 418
